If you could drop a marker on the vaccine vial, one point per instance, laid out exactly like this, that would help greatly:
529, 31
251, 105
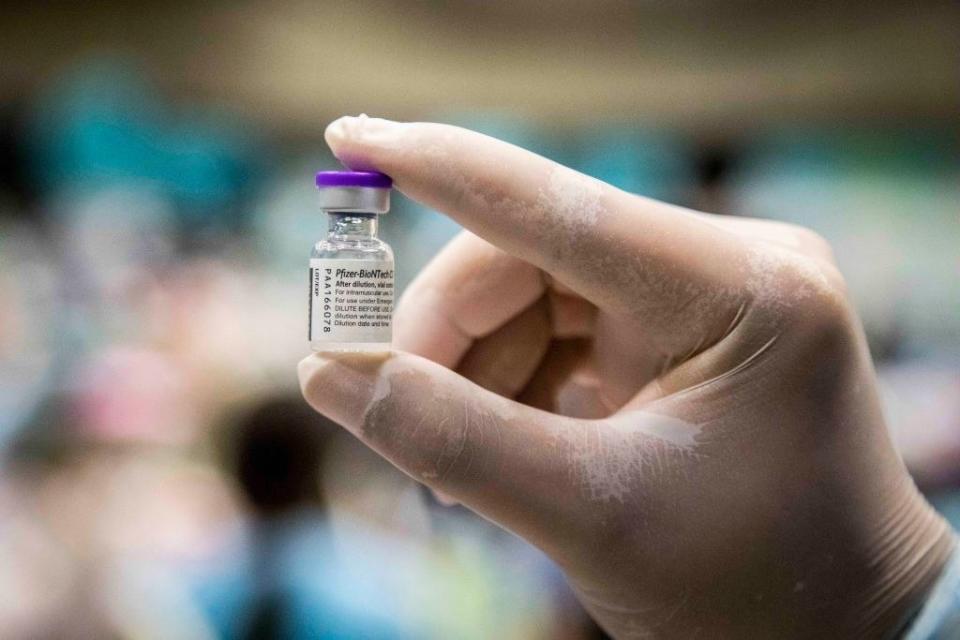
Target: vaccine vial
351, 270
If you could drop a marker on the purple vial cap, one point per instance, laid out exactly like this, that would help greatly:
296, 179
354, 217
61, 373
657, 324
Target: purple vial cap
368, 179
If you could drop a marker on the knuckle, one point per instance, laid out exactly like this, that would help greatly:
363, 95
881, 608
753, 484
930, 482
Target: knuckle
813, 243
823, 317
804, 308
799, 290
828, 309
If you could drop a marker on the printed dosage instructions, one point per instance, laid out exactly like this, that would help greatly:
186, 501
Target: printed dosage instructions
351, 300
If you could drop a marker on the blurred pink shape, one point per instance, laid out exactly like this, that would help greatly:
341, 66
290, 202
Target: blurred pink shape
133, 394
922, 402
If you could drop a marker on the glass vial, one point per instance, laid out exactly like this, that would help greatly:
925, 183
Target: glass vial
351, 270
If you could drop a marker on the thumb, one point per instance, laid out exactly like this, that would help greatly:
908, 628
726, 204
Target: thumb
496, 456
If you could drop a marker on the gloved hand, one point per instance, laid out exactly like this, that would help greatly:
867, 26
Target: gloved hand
679, 408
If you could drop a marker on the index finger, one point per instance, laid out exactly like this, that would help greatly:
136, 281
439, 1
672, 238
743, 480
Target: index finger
624, 253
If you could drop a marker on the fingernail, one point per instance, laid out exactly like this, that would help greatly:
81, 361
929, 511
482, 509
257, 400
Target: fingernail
444, 499
340, 386
352, 135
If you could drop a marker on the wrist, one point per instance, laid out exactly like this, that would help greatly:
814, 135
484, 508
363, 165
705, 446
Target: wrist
909, 567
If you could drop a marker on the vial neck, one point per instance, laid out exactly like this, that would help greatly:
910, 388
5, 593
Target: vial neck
352, 226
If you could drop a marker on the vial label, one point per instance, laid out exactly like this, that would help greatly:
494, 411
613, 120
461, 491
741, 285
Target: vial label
351, 300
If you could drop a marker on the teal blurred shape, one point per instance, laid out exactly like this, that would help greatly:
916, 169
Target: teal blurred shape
650, 162
102, 124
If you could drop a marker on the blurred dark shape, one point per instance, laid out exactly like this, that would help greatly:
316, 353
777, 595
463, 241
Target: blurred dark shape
887, 344
16, 188
47, 438
278, 451
714, 166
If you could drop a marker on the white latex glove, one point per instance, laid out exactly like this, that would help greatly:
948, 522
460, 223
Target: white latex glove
679, 408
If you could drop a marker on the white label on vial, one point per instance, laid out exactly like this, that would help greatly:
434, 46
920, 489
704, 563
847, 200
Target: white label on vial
350, 300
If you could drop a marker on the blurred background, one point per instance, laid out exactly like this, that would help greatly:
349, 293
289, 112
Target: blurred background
160, 476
